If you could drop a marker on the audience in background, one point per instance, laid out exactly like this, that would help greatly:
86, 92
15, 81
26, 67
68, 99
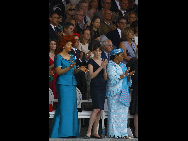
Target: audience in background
92, 8
69, 11
107, 47
115, 35
94, 28
84, 41
53, 30
127, 45
84, 6
130, 18
106, 25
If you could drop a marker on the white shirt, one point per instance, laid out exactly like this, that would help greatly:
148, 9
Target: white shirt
106, 54
117, 3
119, 31
53, 27
123, 12
75, 52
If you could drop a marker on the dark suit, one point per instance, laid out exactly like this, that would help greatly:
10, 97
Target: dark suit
80, 76
103, 55
52, 33
114, 37
114, 6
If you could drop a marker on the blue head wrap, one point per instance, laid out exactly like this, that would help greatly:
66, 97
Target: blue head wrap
116, 51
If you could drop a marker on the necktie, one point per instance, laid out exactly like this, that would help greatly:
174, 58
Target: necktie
108, 57
77, 55
55, 29
125, 14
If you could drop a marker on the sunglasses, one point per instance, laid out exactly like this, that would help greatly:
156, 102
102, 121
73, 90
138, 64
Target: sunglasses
71, 9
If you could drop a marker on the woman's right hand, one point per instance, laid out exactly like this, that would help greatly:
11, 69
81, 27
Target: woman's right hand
127, 71
72, 65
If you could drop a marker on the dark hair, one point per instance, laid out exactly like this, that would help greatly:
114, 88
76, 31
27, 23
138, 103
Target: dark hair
113, 56
92, 44
66, 25
50, 41
96, 46
52, 13
91, 26
134, 24
119, 19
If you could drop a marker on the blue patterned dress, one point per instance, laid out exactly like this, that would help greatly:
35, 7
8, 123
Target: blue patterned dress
117, 111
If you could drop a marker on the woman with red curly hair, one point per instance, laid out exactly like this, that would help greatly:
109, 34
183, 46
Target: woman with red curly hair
65, 123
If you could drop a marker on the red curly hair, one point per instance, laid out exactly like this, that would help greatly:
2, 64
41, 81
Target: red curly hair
62, 42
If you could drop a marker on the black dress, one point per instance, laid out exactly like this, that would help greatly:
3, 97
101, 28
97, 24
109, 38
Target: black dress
97, 87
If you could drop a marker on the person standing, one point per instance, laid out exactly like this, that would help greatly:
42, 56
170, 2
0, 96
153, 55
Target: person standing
97, 72
65, 123
52, 85
116, 93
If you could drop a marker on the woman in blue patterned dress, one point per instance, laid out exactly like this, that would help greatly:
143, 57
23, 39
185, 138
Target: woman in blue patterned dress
65, 123
117, 94
127, 45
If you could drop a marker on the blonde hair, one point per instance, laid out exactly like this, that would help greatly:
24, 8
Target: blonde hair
69, 6
125, 33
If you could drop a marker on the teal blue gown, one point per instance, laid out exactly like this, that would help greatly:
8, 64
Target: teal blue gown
65, 122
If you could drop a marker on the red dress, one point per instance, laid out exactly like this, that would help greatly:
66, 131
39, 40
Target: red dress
52, 85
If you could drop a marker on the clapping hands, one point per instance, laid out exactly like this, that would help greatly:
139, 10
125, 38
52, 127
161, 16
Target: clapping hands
104, 63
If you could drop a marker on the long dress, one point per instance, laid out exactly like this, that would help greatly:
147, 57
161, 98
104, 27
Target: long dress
65, 123
52, 85
117, 111
97, 87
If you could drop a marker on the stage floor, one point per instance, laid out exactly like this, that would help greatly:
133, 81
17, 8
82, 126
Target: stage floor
91, 139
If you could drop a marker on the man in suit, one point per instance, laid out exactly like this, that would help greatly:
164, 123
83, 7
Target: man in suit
123, 8
115, 35
79, 15
106, 25
81, 60
53, 29
106, 4
107, 47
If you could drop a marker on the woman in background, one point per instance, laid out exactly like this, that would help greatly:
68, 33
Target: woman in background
127, 45
52, 85
94, 28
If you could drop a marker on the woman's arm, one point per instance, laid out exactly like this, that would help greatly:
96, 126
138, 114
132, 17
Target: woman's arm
122, 45
105, 74
51, 66
91, 73
60, 71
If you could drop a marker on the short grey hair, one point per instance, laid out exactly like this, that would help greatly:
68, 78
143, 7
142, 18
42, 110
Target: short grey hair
104, 43
76, 12
80, 3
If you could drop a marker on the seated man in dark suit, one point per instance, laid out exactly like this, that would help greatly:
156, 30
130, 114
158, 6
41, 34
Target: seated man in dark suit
81, 60
53, 29
79, 15
107, 47
115, 35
